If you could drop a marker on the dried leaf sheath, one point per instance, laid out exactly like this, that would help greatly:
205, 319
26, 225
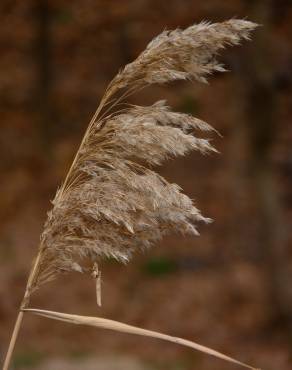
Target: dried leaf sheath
111, 203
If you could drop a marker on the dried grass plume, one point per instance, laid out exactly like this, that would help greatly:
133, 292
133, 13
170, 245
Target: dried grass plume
112, 202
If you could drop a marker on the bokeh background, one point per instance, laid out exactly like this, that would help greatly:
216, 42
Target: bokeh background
231, 287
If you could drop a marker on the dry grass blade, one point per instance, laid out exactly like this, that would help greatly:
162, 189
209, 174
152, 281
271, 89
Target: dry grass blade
100, 322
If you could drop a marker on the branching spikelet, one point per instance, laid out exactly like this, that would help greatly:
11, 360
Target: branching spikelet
184, 54
111, 203
116, 205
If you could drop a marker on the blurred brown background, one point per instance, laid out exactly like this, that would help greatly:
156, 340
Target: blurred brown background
231, 287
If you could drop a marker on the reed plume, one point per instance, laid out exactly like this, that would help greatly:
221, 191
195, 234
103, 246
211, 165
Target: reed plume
111, 202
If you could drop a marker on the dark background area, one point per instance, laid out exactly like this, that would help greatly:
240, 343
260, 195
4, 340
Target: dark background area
231, 287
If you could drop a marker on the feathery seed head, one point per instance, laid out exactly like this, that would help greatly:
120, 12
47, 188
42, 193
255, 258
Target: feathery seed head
111, 203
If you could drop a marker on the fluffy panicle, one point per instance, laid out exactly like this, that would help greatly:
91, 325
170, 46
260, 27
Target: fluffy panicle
115, 205
111, 203
184, 54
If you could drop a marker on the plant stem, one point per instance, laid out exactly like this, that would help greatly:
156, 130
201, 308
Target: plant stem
13, 340
24, 304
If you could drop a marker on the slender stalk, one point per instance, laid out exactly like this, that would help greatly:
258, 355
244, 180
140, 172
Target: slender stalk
13, 340
24, 304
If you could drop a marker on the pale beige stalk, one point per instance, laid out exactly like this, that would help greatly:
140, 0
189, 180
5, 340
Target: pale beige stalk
24, 304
